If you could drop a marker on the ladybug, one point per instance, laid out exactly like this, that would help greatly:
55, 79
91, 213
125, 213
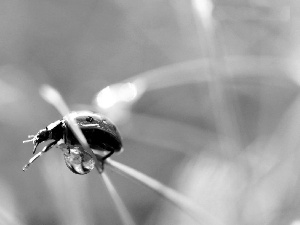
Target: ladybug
101, 135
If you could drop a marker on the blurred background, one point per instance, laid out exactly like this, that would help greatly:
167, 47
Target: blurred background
217, 118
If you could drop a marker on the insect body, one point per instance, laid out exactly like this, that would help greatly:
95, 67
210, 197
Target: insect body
100, 133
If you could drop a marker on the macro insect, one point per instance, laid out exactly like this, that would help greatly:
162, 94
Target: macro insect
101, 135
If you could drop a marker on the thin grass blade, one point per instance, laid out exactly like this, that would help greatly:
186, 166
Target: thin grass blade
177, 199
121, 208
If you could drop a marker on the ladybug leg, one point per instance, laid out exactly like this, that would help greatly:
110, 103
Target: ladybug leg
45, 149
108, 155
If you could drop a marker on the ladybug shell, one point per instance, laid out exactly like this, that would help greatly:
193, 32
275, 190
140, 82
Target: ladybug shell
100, 133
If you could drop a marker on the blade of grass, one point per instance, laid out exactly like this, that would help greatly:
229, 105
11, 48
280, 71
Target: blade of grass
225, 110
121, 208
177, 199
197, 70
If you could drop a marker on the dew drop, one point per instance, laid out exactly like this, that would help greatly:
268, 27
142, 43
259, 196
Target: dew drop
77, 161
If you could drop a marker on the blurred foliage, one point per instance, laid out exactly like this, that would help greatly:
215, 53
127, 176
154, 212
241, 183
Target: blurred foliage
229, 142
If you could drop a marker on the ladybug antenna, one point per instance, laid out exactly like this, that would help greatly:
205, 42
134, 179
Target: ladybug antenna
34, 140
41, 136
28, 140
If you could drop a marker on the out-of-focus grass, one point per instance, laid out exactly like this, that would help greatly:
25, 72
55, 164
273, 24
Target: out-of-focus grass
252, 178
244, 169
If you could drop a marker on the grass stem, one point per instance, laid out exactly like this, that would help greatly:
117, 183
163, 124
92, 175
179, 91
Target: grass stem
177, 199
121, 208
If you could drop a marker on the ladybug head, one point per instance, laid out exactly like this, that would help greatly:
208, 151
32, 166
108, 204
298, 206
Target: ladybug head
41, 136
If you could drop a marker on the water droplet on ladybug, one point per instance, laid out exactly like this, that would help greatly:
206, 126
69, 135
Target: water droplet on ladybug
78, 161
